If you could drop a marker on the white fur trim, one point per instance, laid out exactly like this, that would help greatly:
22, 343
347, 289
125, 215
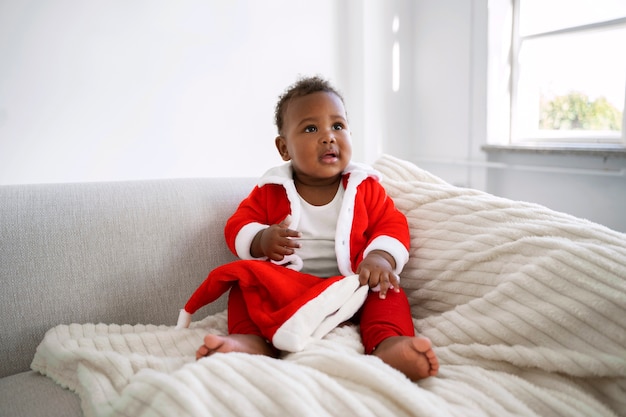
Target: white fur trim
277, 175
243, 241
345, 312
368, 170
294, 203
344, 223
292, 261
309, 321
283, 175
184, 320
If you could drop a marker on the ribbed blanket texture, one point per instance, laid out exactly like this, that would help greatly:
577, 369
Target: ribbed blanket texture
525, 306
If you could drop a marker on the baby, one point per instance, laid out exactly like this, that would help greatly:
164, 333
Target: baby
343, 224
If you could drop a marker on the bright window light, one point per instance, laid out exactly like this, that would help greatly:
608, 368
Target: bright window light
569, 71
395, 56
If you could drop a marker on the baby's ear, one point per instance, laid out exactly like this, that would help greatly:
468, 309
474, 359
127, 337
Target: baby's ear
281, 145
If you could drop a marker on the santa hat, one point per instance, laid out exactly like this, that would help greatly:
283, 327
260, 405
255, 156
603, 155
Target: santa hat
289, 307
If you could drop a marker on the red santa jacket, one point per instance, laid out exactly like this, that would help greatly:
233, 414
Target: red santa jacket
368, 220
290, 308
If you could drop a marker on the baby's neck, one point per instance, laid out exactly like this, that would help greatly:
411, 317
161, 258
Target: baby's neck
318, 194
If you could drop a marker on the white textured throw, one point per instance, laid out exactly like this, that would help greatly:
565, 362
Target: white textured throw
526, 309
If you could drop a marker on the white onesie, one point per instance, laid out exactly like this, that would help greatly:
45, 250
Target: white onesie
318, 226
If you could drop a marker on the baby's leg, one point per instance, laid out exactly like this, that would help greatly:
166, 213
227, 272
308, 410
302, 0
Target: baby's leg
413, 356
388, 332
244, 343
244, 336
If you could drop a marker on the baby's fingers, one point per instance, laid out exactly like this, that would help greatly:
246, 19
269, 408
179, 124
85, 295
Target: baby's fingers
286, 222
383, 282
364, 276
394, 280
386, 282
285, 231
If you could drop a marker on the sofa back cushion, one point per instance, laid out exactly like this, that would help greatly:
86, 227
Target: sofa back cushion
123, 252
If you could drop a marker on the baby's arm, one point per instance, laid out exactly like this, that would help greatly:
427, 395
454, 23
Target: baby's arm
377, 268
275, 241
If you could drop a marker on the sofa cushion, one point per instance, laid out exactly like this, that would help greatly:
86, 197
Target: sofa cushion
123, 252
34, 395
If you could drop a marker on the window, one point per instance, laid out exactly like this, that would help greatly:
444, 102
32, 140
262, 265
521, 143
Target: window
561, 73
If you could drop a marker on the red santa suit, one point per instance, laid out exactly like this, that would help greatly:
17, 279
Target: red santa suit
288, 307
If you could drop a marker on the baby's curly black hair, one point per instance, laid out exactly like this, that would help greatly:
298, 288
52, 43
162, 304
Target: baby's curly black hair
302, 87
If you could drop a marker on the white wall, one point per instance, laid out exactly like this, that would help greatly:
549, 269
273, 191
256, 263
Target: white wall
381, 119
450, 89
587, 186
130, 89
450, 125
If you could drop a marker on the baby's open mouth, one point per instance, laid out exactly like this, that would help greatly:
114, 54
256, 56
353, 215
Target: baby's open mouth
329, 156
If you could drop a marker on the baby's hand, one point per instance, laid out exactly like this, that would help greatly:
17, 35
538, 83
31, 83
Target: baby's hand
276, 241
377, 269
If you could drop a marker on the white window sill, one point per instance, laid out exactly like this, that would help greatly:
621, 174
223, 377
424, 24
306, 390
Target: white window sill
601, 150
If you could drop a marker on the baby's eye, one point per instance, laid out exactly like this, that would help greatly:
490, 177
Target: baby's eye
338, 126
310, 129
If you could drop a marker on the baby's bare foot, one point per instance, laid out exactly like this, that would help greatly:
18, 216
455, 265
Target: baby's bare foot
244, 343
413, 356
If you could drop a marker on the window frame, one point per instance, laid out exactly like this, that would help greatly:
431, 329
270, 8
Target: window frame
503, 81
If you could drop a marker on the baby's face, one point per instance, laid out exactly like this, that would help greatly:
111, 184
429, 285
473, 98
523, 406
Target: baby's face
316, 137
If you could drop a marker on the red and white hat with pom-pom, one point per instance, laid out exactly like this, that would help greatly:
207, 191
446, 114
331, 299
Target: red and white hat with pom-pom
290, 308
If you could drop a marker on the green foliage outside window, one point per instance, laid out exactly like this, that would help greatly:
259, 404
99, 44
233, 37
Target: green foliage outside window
576, 111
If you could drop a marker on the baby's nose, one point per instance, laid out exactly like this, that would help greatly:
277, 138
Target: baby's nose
329, 138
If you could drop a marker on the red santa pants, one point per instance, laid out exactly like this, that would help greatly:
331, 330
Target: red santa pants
379, 318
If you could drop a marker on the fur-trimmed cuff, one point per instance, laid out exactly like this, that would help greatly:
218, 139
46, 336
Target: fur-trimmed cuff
243, 241
393, 247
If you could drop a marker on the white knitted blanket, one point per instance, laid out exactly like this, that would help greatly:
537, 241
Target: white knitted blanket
526, 308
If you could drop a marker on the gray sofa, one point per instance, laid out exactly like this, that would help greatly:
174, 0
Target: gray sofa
123, 252
526, 308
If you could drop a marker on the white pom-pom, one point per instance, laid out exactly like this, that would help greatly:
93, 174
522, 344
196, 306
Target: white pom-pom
184, 320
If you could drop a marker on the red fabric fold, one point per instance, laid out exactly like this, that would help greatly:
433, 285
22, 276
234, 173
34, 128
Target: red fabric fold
272, 292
